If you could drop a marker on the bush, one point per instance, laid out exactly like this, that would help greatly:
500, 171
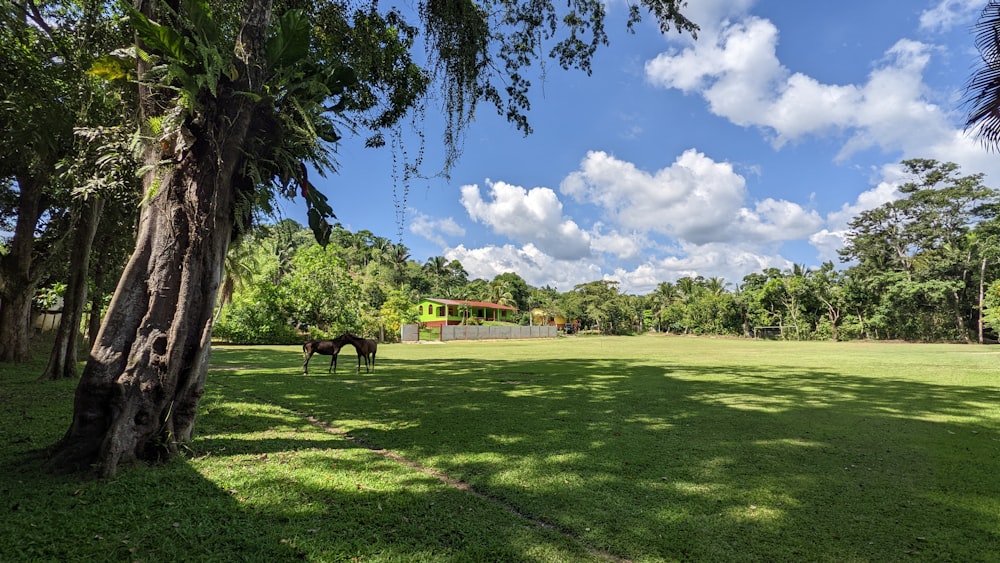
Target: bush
254, 321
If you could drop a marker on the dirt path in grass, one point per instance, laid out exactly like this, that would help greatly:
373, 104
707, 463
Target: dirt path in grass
447, 480
462, 486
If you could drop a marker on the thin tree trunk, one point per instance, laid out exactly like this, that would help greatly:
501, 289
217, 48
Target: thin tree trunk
96, 306
959, 321
62, 361
982, 299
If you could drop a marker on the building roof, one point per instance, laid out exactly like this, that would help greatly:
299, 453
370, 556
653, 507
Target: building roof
469, 303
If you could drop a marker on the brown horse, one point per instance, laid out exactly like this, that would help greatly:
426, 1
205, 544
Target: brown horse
325, 348
366, 349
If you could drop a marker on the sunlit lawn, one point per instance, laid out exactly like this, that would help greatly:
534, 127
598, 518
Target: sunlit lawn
643, 448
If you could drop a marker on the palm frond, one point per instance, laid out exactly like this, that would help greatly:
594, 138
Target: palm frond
982, 93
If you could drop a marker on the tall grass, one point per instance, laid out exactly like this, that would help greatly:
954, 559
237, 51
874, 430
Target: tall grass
645, 448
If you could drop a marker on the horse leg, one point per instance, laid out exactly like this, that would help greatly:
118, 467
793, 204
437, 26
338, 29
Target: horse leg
373, 362
305, 364
333, 364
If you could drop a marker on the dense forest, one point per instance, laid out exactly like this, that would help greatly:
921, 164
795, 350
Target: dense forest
923, 267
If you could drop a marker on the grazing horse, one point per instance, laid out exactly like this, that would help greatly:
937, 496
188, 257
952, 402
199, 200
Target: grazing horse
325, 348
366, 348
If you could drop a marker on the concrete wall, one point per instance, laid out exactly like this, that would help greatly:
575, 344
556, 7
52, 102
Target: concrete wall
409, 333
461, 332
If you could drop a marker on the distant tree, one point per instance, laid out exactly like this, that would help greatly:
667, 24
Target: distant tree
478, 290
991, 306
240, 268
396, 311
665, 295
825, 286
598, 305
510, 289
320, 292
916, 252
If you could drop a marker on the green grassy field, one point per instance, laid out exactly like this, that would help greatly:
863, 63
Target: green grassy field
648, 448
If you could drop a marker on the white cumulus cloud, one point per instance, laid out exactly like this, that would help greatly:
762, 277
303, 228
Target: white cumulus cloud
696, 200
534, 216
435, 230
738, 73
536, 267
950, 13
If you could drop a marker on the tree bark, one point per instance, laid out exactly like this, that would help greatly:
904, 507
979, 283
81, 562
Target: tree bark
19, 276
982, 300
140, 388
62, 361
963, 333
139, 392
96, 306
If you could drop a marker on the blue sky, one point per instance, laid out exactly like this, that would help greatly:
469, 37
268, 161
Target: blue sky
749, 148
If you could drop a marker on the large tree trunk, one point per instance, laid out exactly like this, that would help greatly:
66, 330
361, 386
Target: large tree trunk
15, 325
62, 361
19, 276
28, 257
140, 389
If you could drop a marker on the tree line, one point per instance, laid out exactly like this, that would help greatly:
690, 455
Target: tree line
923, 267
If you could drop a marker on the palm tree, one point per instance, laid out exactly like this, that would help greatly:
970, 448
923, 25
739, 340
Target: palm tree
662, 297
687, 289
240, 267
982, 93
500, 292
436, 266
380, 248
716, 285
397, 255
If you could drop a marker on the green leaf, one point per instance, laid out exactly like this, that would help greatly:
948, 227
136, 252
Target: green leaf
110, 68
165, 40
320, 228
290, 43
200, 14
319, 212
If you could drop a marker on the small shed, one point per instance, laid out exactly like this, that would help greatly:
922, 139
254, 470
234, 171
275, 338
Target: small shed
541, 318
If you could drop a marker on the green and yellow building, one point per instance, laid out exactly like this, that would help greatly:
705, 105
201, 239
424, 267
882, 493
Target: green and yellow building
439, 312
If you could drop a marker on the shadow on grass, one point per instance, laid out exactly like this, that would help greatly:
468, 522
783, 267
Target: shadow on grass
262, 484
683, 461
648, 460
